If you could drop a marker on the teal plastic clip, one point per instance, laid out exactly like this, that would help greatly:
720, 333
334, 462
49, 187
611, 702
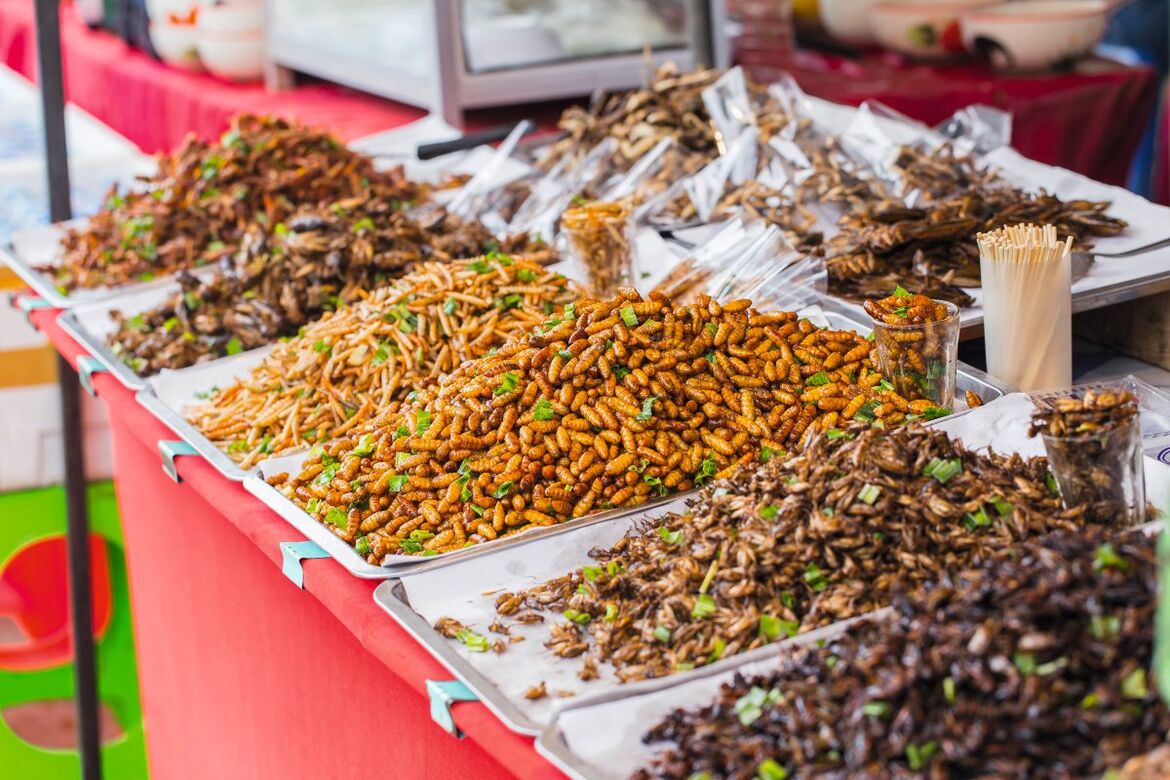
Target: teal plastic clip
87, 366
29, 304
292, 553
442, 695
171, 450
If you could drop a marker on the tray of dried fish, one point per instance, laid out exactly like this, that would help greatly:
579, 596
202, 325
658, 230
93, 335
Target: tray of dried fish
489, 620
1037, 667
354, 363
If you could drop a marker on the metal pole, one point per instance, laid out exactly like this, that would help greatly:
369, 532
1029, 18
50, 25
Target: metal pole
57, 166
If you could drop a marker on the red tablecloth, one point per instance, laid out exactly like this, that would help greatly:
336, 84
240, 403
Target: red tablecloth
243, 674
156, 106
1089, 121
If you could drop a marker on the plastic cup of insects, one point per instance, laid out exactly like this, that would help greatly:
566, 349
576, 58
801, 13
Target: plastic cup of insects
1094, 446
601, 240
918, 355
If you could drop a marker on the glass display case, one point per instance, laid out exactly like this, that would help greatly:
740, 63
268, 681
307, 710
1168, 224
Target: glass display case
451, 55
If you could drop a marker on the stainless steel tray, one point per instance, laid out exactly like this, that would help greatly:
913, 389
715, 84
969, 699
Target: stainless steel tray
40, 246
37, 246
167, 394
90, 325
629, 711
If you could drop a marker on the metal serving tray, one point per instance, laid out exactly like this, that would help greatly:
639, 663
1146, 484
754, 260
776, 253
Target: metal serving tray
256, 484
624, 714
91, 325
41, 246
599, 737
169, 393
464, 590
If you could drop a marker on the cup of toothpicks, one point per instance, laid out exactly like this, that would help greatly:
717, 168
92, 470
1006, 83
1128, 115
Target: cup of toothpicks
1027, 305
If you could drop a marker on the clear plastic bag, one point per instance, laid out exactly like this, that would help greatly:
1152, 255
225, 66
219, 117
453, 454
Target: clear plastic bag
538, 215
473, 196
696, 269
707, 187
730, 108
977, 129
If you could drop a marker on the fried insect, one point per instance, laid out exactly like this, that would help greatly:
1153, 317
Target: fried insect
611, 403
315, 262
206, 197
773, 552
1033, 667
368, 357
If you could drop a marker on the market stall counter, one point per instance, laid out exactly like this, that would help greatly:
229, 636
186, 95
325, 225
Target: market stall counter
242, 673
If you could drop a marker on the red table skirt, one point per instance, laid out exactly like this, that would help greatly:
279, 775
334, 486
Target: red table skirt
243, 675
156, 106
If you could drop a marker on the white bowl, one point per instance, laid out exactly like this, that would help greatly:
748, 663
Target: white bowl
234, 18
847, 21
233, 57
926, 29
1037, 34
176, 44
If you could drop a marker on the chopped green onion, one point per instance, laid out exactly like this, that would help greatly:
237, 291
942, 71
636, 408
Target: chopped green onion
943, 470
508, 383
365, 446
647, 409
629, 317
818, 379
1108, 558
877, 709
233, 346
704, 606
336, 517
869, 494
815, 577
503, 490
670, 537
769, 511
542, 411
477, 643
396, 482
577, 616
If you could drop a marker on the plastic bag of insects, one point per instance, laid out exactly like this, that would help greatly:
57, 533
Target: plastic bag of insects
707, 187
730, 108
654, 180
791, 282
538, 214
690, 276
977, 129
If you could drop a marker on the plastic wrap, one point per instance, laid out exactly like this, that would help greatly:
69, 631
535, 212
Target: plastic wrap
977, 129
730, 108
552, 194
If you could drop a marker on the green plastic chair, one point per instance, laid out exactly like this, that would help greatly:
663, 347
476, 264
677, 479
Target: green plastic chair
29, 518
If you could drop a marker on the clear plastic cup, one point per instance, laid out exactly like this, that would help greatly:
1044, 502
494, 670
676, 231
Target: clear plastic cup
601, 239
1102, 471
920, 360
